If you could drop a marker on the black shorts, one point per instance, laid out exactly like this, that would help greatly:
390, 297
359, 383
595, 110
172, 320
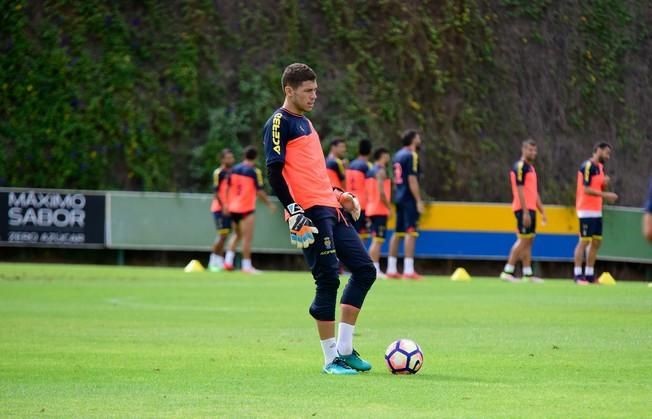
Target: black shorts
591, 228
239, 216
526, 231
361, 225
222, 223
378, 227
407, 218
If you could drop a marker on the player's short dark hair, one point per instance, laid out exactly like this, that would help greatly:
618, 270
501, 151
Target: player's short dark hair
602, 145
378, 153
224, 152
364, 147
408, 136
250, 152
295, 74
335, 142
529, 141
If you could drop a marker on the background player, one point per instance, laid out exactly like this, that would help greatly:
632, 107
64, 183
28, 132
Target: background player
647, 217
379, 189
356, 174
245, 184
297, 173
409, 204
336, 163
525, 203
591, 185
220, 210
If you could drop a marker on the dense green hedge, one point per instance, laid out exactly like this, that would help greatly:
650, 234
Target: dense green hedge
142, 95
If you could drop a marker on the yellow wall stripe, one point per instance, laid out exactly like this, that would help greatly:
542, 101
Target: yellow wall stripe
455, 216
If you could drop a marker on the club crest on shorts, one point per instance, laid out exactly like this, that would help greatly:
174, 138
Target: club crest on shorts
327, 242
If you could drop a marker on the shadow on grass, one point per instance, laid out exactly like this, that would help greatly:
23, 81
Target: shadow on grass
428, 376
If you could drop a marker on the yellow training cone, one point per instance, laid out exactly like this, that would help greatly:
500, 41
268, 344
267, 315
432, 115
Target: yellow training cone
606, 279
194, 266
460, 274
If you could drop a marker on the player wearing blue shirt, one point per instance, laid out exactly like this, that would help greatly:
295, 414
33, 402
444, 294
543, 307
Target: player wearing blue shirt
409, 205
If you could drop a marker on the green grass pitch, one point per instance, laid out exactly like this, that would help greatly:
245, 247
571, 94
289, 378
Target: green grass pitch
84, 341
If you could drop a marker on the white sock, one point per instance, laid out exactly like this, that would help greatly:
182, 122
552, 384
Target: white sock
345, 339
246, 264
329, 348
408, 266
577, 271
229, 257
391, 265
527, 270
588, 270
377, 266
216, 260
509, 268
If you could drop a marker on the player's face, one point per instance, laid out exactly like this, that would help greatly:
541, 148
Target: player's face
304, 96
529, 152
604, 154
417, 142
384, 159
228, 160
340, 150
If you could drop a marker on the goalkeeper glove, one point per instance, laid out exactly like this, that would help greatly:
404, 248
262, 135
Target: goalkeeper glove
302, 229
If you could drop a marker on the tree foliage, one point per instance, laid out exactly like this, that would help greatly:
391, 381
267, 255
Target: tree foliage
142, 95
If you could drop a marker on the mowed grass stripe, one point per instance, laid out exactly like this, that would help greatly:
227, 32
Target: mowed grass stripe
86, 341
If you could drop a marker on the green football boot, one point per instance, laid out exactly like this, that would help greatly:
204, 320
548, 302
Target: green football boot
339, 367
354, 361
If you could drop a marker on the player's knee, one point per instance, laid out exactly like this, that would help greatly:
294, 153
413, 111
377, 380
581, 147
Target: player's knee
365, 274
361, 281
323, 306
324, 313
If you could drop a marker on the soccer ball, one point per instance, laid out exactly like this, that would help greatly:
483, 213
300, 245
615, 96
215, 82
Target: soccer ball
404, 356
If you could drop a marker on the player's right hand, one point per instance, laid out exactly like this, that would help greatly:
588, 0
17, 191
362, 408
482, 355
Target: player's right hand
527, 220
610, 197
302, 230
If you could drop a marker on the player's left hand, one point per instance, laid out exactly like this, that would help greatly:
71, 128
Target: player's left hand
544, 219
350, 204
272, 207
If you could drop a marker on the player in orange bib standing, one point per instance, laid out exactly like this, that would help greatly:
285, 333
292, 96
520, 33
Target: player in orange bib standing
355, 177
379, 190
525, 203
220, 209
245, 184
336, 163
297, 173
591, 185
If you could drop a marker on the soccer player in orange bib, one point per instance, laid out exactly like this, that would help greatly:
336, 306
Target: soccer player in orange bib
220, 209
245, 184
525, 202
591, 185
297, 174
379, 190
355, 177
336, 163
